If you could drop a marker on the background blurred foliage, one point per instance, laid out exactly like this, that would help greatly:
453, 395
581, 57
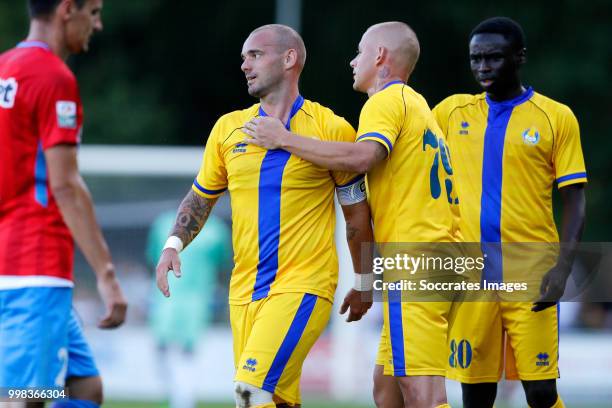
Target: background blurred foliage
162, 71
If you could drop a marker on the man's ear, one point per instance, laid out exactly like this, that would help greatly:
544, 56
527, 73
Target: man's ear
381, 55
522, 56
290, 58
65, 9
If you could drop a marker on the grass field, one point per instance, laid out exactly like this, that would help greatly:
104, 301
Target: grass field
221, 405
306, 405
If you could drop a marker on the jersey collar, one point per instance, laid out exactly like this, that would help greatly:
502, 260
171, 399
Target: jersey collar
299, 101
392, 83
34, 44
510, 103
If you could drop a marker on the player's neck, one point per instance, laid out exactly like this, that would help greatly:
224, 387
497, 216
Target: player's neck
278, 104
45, 31
381, 83
507, 94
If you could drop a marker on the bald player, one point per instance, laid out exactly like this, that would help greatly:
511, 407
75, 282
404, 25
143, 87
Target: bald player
286, 267
399, 145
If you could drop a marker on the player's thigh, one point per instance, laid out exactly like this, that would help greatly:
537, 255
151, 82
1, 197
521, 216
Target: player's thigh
34, 336
475, 343
283, 331
386, 393
534, 340
417, 333
423, 390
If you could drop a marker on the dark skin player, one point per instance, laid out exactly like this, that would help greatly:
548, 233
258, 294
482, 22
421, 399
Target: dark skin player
495, 63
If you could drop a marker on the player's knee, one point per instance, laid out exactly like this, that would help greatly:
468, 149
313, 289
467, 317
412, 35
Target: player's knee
540, 394
386, 392
387, 397
249, 396
479, 395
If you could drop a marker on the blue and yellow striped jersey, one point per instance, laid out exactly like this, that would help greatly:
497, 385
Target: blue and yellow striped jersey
411, 192
283, 215
506, 157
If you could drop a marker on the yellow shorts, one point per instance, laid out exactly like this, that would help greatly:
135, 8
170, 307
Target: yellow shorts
384, 350
272, 338
414, 338
486, 336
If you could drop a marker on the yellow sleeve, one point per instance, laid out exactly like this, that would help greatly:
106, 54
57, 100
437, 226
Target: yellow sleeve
381, 119
567, 152
337, 129
211, 180
440, 112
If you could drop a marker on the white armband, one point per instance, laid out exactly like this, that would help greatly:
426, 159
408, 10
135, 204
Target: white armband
174, 242
364, 281
352, 193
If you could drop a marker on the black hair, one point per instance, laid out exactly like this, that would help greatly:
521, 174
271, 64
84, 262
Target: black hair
510, 29
44, 8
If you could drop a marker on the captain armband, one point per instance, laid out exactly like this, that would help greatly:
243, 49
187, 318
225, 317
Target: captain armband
353, 192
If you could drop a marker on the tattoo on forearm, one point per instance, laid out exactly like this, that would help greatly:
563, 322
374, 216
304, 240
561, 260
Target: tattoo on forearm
351, 231
192, 214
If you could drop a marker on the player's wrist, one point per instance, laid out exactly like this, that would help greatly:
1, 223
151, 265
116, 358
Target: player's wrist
364, 282
106, 271
285, 139
173, 242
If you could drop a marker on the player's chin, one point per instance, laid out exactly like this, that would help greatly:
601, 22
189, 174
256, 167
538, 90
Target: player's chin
79, 48
488, 86
255, 92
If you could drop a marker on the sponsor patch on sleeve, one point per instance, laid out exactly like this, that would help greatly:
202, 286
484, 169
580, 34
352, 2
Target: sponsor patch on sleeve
8, 91
66, 114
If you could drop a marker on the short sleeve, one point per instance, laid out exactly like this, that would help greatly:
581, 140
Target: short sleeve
337, 129
211, 180
380, 120
440, 112
568, 160
59, 111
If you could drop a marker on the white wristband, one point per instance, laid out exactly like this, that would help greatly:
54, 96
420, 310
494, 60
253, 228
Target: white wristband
175, 243
364, 281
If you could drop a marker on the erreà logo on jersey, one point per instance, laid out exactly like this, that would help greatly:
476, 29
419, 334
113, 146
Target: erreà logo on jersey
542, 360
8, 91
240, 148
250, 364
66, 114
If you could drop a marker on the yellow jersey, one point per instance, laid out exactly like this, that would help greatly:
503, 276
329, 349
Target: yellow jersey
507, 155
283, 215
410, 192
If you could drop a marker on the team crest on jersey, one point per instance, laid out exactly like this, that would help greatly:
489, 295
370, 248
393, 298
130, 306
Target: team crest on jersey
531, 136
66, 114
464, 128
240, 148
8, 91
